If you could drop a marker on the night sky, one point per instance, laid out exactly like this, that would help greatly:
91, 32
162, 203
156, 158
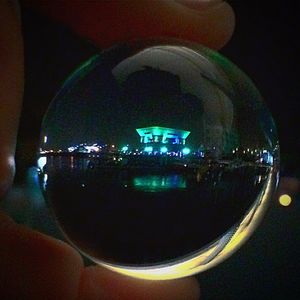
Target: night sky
264, 46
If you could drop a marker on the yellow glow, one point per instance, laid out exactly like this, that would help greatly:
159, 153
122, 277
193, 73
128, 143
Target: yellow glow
285, 200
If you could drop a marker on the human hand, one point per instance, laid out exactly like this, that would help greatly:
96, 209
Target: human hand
33, 265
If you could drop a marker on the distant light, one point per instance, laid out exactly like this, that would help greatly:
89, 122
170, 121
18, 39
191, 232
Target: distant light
45, 179
125, 148
42, 161
148, 149
71, 149
83, 185
164, 149
45, 139
186, 151
285, 200
92, 149
113, 146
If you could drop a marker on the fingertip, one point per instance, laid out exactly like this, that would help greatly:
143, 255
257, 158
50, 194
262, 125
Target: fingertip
99, 283
210, 23
226, 25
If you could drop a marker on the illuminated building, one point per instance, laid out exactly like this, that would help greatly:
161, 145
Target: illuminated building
162, 139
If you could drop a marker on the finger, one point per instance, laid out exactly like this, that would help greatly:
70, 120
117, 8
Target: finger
34, 266
99, 283
108, 22
11, 89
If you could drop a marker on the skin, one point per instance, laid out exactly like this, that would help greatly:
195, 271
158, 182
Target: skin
36, 266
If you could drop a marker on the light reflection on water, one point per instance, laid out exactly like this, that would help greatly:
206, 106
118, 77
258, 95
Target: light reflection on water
158, 183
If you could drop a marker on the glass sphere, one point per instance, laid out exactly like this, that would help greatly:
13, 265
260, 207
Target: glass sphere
158, 158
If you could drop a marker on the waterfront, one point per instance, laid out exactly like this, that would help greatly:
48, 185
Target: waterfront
145, 214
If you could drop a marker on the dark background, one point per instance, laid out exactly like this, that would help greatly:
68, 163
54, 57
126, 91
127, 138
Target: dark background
264, 45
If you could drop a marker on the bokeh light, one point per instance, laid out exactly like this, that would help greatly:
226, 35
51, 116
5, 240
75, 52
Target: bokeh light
285, 200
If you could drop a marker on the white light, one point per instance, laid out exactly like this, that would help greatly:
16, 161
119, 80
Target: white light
45, 139
92, 149
71, 149
42, 162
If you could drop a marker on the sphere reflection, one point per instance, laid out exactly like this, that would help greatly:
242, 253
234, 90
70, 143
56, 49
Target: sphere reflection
158, 158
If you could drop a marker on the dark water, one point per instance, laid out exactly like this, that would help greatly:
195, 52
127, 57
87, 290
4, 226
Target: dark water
147, 215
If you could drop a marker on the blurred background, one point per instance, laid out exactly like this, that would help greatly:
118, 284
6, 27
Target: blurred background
264, 45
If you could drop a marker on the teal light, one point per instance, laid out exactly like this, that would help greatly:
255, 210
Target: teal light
163, 149
148, 149
186, 151
125, 148
159, 183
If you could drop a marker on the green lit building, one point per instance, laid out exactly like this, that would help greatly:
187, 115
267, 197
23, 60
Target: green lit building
162, 139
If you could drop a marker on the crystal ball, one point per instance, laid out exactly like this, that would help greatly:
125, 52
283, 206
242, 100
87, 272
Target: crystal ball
158, 158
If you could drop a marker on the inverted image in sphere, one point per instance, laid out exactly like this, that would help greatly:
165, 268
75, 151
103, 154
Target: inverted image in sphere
158, 158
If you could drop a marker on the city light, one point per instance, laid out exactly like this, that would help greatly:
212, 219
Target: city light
163, 149
186, 151
42, 161
93, 148
125, 148
148, 149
